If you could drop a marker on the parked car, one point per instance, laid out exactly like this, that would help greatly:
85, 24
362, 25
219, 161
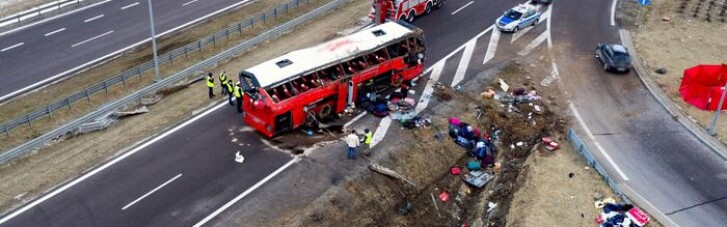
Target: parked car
518, 17
544, 2
614, 57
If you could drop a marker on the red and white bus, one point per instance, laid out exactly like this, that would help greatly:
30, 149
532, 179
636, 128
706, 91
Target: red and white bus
283, 93
405, 10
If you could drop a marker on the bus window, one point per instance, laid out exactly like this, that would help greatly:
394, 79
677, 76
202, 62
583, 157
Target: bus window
273, 95
349, 68
382, 55
359, 63
311, 80
393, 50
292, 89
420, 43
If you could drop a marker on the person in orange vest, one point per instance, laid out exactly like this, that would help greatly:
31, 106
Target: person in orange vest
211, 85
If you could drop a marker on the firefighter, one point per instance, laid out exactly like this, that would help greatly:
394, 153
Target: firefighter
211, 85
230, 90
223, 82
238, 97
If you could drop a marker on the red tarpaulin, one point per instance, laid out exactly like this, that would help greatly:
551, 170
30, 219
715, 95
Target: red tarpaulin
702, 86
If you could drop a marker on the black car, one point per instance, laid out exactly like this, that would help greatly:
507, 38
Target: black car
614, 57
544, 2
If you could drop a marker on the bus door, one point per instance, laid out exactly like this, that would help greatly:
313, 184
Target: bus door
283, 122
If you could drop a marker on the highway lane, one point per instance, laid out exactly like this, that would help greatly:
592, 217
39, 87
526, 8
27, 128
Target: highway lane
203, 154
198, 157
653, 154
40, 54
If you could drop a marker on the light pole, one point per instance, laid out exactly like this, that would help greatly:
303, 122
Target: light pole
711, 129
157, 78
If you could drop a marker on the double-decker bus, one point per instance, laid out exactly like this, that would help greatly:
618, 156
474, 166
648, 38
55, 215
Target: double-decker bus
283, 93
404, 10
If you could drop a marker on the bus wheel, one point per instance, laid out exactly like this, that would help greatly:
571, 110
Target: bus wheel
428, 8
438, 4
325, 111
410, 18
402, 18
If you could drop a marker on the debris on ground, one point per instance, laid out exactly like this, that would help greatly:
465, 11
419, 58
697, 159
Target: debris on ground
386, 171
123, 114
619, 215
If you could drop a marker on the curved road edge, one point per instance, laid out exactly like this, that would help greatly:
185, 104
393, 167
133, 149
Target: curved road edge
675, 111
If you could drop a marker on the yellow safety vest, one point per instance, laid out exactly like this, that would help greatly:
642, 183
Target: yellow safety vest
210, 81
368, 137
228, 85
223, 78
238, 92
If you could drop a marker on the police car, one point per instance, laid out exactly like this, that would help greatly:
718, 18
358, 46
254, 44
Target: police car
518, 17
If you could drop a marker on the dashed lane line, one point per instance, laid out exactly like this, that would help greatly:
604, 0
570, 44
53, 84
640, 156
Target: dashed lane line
92, 38
12, 47
54, 32
595, 142
461, 8
93, 18
189, 2
129, 5
151, 192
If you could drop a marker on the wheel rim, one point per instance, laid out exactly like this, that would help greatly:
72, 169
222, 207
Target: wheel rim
516, 29
605, 66
429, 8
536, 22
410, 18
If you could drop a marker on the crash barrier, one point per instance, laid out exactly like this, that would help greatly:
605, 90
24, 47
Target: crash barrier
188, 73
40, 10
583, 150
166, 58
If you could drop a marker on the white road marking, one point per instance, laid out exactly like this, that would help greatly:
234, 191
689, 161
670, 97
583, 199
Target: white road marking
429, 89
130, 5
464, 6
11, 47
520, 33
107, 165
92, 38
613, 12
464, 62
246, 192
492, 46
595, 142
381, 131
189, 2
93, 18
53, 18
428, 70
554, 75
535, 43
549, 17
150, 192
353, 120
47, 80
54, 32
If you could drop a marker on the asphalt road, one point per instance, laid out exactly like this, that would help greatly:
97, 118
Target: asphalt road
652, 153
40, 54
662, 161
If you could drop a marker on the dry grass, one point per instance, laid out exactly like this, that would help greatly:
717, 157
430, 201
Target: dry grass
9, 7
677, 45
31, 175
31, 102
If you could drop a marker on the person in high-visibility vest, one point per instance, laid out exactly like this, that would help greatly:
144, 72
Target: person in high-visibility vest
238, 97
230, 90
223, 82
368, 137
211, 85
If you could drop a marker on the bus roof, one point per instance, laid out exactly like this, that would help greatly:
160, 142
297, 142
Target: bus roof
297, 62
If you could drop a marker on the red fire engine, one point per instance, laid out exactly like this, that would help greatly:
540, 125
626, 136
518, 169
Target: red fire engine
283, 93
404, 10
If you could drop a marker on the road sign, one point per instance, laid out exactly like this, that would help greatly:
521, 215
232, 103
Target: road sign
644, 2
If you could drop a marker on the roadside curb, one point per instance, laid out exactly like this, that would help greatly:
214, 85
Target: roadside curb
713, 143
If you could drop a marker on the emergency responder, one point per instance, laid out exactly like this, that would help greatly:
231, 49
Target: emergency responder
223, 82
238, 96
211, 85
230, 90
368, 137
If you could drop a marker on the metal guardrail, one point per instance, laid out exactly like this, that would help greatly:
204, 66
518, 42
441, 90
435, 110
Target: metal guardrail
37, 11
169, 81
583, 150
166, 58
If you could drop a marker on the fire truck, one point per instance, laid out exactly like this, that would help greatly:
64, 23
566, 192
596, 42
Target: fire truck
316, 83
404, 10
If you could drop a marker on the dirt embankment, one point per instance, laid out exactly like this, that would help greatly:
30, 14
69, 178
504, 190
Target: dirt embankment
676, 35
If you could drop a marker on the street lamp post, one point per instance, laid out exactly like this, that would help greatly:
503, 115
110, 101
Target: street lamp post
711, 129
157, 78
